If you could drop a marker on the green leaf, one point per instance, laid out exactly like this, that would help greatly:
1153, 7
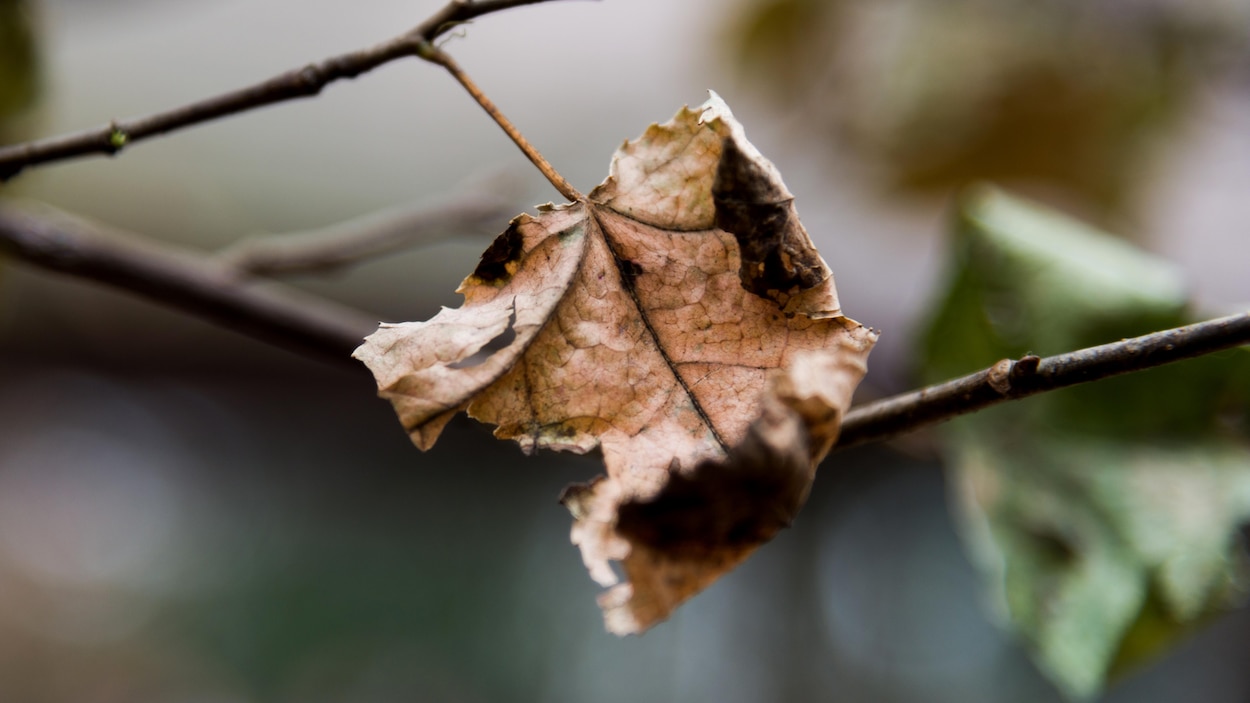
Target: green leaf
1105, 516
18, 61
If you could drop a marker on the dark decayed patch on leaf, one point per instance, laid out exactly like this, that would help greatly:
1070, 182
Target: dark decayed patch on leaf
711, 505
494, 266
778, 258
742, 501
629, 271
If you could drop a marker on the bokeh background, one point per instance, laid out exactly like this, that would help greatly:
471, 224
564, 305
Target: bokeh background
188, 515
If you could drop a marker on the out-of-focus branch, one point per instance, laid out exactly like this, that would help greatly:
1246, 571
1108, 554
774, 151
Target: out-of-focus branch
1030, 375
297, 83
186, 281
379, 234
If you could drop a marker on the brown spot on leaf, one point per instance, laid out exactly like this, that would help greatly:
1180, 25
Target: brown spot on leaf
778, 258
499, 261
629, 271
734, 504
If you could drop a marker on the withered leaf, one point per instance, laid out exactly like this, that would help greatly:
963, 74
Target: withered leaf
679, 320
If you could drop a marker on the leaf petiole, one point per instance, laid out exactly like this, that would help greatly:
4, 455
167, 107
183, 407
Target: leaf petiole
433, 54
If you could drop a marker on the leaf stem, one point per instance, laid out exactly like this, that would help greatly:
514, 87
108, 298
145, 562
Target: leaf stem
433, 54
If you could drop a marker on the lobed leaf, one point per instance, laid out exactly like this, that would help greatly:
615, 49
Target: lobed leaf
679, 321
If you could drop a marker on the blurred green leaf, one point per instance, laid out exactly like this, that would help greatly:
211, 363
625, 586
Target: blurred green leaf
1105, 517
18, 64
19, 69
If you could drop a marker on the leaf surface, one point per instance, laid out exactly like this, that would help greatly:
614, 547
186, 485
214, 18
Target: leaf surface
679, 321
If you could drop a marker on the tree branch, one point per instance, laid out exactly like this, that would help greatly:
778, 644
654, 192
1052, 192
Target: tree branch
297, 83
184, 281
306, 325
1030, 375
379, 234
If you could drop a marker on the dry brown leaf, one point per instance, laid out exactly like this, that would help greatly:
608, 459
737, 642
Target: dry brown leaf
680, 321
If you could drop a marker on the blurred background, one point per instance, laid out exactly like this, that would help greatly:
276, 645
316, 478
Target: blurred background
188, 515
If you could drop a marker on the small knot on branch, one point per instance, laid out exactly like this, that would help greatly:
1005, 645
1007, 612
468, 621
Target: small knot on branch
1005, 376
999, 376
1026, 366
309, 79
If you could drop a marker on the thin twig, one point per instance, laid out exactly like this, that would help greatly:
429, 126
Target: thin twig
1030, 375
297, 83
379, 234
433, 54
182, 280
